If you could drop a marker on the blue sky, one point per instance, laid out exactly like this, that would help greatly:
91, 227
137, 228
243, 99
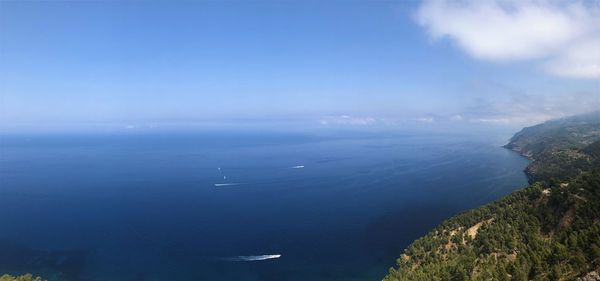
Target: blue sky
354, 63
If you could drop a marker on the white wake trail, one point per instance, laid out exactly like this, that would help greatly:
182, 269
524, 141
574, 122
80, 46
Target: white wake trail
226, 184
254, 258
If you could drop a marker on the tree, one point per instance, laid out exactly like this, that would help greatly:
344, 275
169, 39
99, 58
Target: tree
25, 277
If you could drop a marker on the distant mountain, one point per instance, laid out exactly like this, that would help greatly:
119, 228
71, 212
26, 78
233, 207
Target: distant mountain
556, 147
547, 231
565, 133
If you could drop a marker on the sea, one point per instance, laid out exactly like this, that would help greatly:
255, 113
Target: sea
228, 205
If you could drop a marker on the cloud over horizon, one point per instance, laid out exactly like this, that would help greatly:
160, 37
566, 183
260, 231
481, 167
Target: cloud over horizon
562, 37
347, 120
513, 106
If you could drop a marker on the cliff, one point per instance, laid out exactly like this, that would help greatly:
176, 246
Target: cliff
549, 230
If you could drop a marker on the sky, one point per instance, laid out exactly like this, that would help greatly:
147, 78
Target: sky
147, 64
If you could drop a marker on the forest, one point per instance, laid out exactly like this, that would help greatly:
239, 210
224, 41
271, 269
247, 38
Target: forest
549, 230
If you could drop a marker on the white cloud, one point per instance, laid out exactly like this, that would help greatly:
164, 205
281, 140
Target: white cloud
424, 119
565, 35
456, 117
493, 120
581, 60
347, 120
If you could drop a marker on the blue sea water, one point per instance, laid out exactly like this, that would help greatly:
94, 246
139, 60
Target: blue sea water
196, 206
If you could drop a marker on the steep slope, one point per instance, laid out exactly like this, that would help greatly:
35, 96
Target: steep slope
569, 132
547, 231
556, 146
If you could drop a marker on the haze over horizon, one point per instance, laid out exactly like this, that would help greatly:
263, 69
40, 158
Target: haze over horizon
294, 140
306, 63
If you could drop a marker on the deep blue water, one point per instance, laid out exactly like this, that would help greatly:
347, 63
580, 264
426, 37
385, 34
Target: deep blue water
145, 206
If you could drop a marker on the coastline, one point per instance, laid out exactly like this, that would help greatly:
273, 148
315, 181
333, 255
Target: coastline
518, 236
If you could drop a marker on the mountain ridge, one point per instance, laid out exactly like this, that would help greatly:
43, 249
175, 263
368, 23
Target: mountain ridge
557, 147
549, 230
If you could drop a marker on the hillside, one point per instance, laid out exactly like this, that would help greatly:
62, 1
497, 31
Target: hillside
556, 147
547, 231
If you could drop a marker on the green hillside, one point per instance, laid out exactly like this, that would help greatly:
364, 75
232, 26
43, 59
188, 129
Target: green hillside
556, 147
547, 231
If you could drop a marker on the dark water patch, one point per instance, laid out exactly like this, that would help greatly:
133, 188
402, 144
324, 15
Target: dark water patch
57, 265
389, 233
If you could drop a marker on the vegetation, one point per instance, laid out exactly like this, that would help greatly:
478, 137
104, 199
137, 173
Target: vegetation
539, 233
547, 231
26, 277
558, 147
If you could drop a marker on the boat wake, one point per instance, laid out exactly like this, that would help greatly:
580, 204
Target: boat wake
226, 184
297, 167
253, 258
